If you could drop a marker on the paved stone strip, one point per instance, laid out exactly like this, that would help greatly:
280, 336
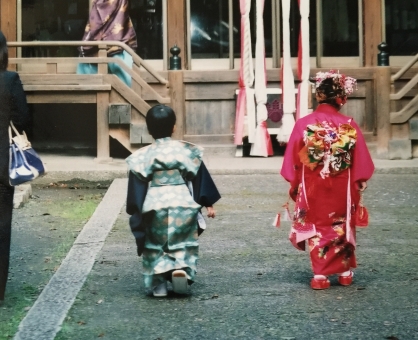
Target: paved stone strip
44, 319
22, 195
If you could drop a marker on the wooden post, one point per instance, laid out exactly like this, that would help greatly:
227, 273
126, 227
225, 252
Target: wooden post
103, 145
103, 99
176, 22
175, 79
382, 87
135, 86
8, 19
102, 68
372, 20
370, 114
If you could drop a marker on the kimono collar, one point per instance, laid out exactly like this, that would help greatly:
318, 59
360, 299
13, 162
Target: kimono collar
326, 108
162, 140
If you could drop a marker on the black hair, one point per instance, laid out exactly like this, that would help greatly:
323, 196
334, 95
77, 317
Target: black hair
4, 54
160, 121
330, 91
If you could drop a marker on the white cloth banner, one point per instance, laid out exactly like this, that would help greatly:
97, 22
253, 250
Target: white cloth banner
288, 81
262, 143
305, 65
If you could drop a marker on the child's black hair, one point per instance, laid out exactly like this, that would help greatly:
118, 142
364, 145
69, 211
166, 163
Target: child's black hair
329, 90
160, 121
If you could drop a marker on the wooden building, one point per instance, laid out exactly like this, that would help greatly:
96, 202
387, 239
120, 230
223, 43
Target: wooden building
84, 110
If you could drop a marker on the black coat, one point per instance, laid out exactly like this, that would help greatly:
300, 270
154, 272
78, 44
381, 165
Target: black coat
13, 107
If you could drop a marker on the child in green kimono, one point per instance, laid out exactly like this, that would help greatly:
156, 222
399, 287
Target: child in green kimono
168, 185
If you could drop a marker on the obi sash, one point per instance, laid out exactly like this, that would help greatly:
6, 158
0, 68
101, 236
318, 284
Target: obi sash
166, 177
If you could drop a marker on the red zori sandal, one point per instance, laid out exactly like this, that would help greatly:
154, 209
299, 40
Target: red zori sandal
320, 283
346, 279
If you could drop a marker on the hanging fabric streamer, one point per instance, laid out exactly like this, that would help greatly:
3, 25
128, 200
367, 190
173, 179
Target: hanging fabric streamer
246, 74
304, 87
288, 82
262, 143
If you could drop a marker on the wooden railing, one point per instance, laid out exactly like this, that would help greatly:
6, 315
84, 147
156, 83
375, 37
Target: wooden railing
396, 105
409, 110
101, 59
54, 80
102, 45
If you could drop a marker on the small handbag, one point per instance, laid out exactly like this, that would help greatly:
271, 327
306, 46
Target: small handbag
361, 216
24, 163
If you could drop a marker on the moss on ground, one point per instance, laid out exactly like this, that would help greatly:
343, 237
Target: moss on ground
43, 232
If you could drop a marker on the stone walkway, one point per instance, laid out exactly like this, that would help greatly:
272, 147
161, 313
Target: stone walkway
44, 319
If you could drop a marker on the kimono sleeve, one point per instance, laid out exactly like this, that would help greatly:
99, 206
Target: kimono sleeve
137, 190
205, 192
292, 166
362, 167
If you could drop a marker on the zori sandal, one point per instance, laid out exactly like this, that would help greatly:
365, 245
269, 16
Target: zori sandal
160, 290
346, 278
179, 281
319, 282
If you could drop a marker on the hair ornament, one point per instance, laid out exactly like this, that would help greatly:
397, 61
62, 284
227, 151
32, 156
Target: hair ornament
349, 84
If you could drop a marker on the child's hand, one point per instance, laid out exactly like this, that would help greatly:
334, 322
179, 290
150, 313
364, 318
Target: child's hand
211, 212
362, 186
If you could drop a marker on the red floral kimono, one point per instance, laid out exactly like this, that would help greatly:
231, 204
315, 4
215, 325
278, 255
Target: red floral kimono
325, 159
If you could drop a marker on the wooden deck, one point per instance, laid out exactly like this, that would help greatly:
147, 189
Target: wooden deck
204, 101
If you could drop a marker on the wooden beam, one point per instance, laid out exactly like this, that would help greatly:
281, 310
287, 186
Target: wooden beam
407, 112
273, 75
382, 93
128, 94
103, 87
103, 145
102, 67
372, 21
177, 94
176, 22
8, 19
61, 79
210, 139
61, 98
210, 91
369, 123
121, 134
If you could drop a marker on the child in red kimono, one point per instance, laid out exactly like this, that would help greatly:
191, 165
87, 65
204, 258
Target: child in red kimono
327, 164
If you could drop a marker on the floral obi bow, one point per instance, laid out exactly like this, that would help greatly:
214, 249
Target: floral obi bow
330, 145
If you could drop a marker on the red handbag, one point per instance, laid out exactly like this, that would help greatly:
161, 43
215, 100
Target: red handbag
361, 215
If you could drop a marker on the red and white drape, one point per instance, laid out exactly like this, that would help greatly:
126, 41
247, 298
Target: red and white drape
262, 142
303, 61
245, 102
288, 81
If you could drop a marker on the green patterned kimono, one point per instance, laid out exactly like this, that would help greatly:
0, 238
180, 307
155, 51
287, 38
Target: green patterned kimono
169, 210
